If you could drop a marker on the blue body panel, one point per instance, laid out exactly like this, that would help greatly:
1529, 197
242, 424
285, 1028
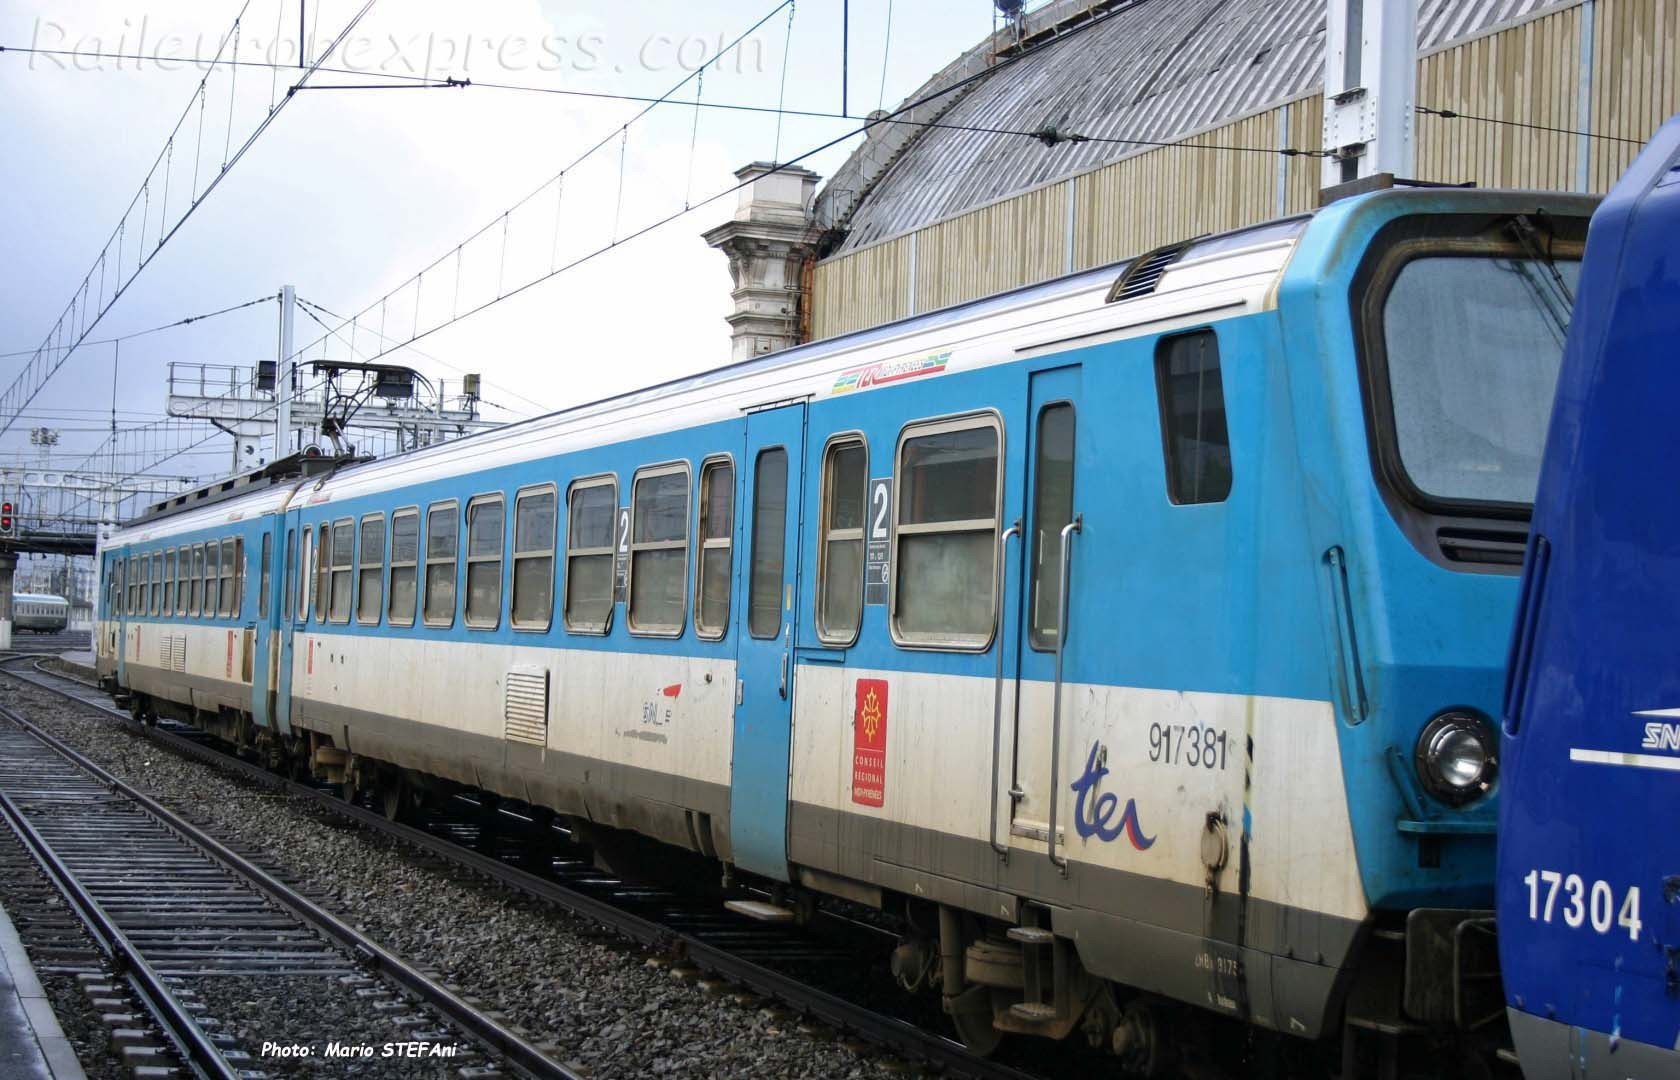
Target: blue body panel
1589, 859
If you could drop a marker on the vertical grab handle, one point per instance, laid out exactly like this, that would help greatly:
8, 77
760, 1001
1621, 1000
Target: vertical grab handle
1076, 525
997, 692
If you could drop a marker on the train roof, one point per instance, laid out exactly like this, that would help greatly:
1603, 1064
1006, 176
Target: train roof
40, 598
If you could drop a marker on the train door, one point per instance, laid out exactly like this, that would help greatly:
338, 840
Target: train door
1051, 522
290, 604
768, 531
119, 615
264, 675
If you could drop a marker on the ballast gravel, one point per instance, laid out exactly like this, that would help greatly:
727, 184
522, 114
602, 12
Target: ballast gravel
608, 1011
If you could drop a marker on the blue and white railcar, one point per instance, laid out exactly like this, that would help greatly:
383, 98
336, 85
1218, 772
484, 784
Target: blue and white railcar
1133, 635
1589, 863
40, 613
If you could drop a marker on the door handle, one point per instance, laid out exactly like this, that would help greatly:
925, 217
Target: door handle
784, 687
997, 692
1076, 525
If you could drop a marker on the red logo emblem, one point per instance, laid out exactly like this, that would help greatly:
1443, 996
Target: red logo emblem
869, 743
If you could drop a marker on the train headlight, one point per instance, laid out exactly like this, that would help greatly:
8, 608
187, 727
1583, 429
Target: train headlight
1457, 757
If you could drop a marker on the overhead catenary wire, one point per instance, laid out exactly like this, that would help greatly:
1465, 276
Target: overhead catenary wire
1452, 114
74, 325
155, 329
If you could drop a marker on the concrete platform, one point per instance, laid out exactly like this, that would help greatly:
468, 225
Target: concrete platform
32, 1045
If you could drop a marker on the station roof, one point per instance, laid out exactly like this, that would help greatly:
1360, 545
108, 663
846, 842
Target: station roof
1147, 69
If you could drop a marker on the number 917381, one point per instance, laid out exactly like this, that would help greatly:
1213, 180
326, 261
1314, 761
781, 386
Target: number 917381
1195, 745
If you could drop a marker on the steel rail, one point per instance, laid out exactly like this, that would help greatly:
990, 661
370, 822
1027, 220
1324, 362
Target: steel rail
902, 1037
195, 1047
494, 1035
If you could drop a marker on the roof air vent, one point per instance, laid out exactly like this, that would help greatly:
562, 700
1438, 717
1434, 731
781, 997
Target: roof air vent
1143, 273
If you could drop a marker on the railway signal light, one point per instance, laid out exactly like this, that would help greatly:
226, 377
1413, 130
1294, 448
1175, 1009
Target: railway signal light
8, 519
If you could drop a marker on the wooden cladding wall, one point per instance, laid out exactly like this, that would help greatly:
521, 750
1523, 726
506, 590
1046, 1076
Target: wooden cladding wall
1530, 73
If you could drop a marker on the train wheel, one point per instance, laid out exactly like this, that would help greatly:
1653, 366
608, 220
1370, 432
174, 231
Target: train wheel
971, 1014
395, 799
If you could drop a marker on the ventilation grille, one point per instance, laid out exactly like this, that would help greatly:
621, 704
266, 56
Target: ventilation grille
1488, 546
525, 705
178, 662
1143, 273
172, 652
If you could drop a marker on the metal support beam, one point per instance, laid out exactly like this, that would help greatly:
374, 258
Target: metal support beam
1370, 88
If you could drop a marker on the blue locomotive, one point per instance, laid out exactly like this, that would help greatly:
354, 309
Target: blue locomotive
1133, 637
1589, 865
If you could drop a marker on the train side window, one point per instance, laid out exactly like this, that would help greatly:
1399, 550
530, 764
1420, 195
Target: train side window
443, 536
592, 510
169, 582
945, 540
1052, 511
183, 580
1195, 442
769, 543
265, 575
323, 572
343, 570
128, 578
157, 583
405, 558
238, 575
486, 517
715, 539
370, 570
840, 550
195, 605
230, 597
658, 584
306, 572
533, 558
212, 578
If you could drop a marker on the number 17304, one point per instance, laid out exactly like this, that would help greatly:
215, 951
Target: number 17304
1581, 902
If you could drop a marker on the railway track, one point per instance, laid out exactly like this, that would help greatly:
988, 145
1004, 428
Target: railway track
762, 960
186, 926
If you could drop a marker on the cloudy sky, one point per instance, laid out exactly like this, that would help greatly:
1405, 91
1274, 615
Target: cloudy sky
348, 193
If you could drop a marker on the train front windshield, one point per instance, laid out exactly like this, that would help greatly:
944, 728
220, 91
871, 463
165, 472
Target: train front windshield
1473, 345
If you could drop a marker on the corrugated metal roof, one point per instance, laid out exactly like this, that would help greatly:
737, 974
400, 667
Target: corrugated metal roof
1150, 69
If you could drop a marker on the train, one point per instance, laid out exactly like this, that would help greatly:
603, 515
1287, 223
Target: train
1588, 873
40, 613
1132, 641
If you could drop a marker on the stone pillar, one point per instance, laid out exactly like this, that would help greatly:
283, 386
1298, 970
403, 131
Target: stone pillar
768, 243
8, 573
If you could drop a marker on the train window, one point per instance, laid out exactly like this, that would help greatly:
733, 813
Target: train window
212, 578
306, 573
230, 597
443, 535
183, 574
486, 516
265, 575
593, 505
945, 540
716, 542
169, 582
658, 584
370, 573
405, 555
1052, 511
840, 550
238, 575
1194, 439
343, 569
769, 543
323, 571
157, 583
128, 578
533, 558
195, 603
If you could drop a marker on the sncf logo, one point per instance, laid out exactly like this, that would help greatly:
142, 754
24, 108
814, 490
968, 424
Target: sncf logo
1660, 735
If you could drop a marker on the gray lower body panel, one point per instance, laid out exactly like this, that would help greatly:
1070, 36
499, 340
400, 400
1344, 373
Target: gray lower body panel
1268, 963
1554, 1050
